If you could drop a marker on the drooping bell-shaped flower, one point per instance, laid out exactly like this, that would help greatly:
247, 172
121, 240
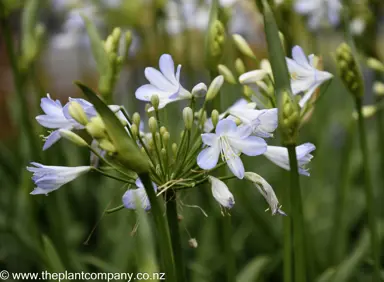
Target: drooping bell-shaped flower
132, 195
164, 83
279, 156
49, 178
221, 192
230, 140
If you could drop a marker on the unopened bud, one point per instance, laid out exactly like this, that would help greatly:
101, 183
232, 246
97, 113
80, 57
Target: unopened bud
76, 111
214, 87
134, 130
199, 90
378, 88
152, 123
214, 43
136, 119
215, 117
368, 111
166, 137
155, 101
289, 118
193, 243
107, 145
375, 64
174, 149
188, 117
147, 107
226, 72
243, 46
96, 128
73, 137
240, 67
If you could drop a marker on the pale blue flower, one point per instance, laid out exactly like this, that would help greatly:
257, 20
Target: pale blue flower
318, 11
132, 195
221, 192
164, 84
230, 140
279, 156
305, 78
49, 178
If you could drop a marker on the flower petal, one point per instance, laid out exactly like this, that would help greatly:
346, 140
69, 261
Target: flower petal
236, 166
51, 107
208, 158
210, 139
145, 92
225, 126
158, 80
131, 196
251, 146
51, 139
299, 56
167, 67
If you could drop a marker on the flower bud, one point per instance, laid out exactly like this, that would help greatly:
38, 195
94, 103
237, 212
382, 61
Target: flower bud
152, 123
162, 130
375, 64
289, 118
163, 154
188, 117
155, 101
73, 137
136, 119
226, 72
193, 243
349, 70
166, 137
214, 43
368, 111
243, 46
378, 88
239, 66
199, 90
221, 192
215, 117
134, 130
147, 107
77, 113
266, 190
96, 128
107, 145
174, 149
214, 87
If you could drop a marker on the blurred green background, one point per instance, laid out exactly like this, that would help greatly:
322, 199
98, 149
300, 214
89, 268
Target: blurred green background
69, 230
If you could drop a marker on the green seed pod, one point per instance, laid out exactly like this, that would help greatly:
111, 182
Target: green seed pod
243, 46
188, 117
73, 137
215, 117
226, 73
152, 123
76, 111
240, 66
349, 70
136, 119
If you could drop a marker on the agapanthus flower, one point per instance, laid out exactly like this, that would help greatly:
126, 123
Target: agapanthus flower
305, 78
318, 11
221, 192
279, 156
132, 195
49, 178
230, 140
266, 190
164, 84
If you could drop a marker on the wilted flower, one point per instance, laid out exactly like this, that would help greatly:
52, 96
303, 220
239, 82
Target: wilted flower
221, 192
319, 10
279, 156
304, 75
132, 195
230, 140
266, 190
164, 84
50, 178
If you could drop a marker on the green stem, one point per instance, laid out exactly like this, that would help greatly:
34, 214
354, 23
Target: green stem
287, 227
369, 194
19, 80
339, 232
230, 264
113, 177
297, 218
173, 225
161, 227
115, 209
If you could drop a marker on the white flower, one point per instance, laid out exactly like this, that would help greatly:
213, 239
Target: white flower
221, 192
132, 195
304, 75
50, 178
231, 141
262, 122
165, 84
266, 190
318, 11
279, 156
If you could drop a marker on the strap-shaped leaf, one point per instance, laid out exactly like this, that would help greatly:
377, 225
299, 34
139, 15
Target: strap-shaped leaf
276, 51
127, 152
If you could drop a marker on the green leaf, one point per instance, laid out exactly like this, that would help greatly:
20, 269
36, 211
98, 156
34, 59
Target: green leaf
128, 154
276, 51
254, 269
97, 47
53, 261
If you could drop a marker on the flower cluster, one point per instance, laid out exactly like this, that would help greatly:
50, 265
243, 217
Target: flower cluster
240, 130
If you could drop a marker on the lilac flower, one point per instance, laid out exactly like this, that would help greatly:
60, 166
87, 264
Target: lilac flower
132, 195
221, 192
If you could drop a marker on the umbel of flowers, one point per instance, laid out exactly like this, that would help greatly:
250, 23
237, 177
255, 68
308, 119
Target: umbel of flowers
204, 144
